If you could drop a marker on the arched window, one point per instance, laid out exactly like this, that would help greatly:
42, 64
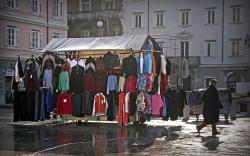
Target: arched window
232, 79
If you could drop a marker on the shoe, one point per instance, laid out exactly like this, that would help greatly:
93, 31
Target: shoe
198, 129
215, 133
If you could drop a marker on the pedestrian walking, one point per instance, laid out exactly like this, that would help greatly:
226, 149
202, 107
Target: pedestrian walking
211, 108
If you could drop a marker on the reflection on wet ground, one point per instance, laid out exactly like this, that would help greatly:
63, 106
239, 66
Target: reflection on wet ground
90, 139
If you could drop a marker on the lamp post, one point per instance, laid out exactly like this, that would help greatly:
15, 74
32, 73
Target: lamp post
99, 24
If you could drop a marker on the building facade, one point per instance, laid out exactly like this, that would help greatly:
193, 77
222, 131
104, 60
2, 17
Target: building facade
212, 34
27, 26
91, 18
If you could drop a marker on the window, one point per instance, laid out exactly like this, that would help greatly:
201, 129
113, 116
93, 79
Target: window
185, 49
211, 16
35, 39
138, 22
57, 8
235, 47
85, 33
236, 14
210, 47
208, 81
12, 36
100, 32
11, 4
109, 4
85, 5
56, 35
159, 19
185, 17
35, 6
116, 31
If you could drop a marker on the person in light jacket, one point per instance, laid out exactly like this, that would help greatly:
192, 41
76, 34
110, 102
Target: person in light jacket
211, 108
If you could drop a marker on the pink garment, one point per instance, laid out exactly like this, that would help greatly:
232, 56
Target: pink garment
131, 84
149, 83
157, 105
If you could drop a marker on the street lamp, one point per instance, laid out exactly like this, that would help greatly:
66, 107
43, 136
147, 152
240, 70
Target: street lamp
99, 24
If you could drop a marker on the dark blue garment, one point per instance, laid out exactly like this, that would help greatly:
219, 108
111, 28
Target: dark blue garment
42, 105
49, 101
36, 106
77, 104
165, 106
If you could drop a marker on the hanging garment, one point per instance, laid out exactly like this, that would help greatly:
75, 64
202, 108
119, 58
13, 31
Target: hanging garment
181, 101
132, 103
131, 84
183, 70
163, 84
147, 63
72, 62
173, 106
140, 102
111, 60
112, 101
100, 105
99, 64
31, 81
90, 60
148, 98
149, 83
157, 105
153, 66
48, 58
129, 66
63, 81
122, 114
90, 66
101, 80
141, 60
226, 101
163, 64
64, 103
89, 81
57, 73
49, 101
81, 62
121, 84
141, 82
76, 79
165, 114
18, 70
87, 103
77, 105
112, 83
168, 67
66, 67
47, 79
157, 57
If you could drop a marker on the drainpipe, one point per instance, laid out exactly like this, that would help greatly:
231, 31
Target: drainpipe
47, 29
222, 33
148, 19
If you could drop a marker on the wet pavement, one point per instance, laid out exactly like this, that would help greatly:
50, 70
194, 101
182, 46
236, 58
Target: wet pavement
157, 137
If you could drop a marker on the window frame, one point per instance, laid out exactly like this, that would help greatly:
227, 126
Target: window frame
211, 16
184, 48
85, 33
39, 7
110, 4
12, 36
235, 47
185, 17
56, 35
13, 6
57, 8
138, 20
36, 38
83, 5
236, 13
210, 48
160, 19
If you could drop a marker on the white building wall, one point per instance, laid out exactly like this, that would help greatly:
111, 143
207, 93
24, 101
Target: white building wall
218, 65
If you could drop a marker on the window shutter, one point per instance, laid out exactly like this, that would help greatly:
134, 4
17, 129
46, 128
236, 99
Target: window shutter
17, 37
132, 20
6, 38
16, 4
40, 40
164, 19
30, 5
213, 49
189, 17
205, 49
39, 7
31, 45
154, 17
142, 21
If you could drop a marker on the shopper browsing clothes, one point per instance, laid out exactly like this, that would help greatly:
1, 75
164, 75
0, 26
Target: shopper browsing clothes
211, 108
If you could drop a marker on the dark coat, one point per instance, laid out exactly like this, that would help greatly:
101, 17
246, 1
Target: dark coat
212, 105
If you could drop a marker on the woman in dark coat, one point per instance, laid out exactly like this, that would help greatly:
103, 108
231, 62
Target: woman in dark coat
211, 108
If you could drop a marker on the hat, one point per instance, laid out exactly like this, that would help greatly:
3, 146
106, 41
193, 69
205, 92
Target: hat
214, 81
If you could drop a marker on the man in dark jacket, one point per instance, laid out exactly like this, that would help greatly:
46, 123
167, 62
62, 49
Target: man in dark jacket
211, 108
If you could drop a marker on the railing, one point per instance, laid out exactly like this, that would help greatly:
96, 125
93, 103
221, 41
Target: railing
193, 61
94, 15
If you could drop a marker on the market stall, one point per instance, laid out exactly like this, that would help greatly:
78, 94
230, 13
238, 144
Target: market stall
121, 78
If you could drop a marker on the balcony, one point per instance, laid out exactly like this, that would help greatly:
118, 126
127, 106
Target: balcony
193, 61
92, 15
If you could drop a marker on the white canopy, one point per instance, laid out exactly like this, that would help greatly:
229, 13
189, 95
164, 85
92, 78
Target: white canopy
134, 42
